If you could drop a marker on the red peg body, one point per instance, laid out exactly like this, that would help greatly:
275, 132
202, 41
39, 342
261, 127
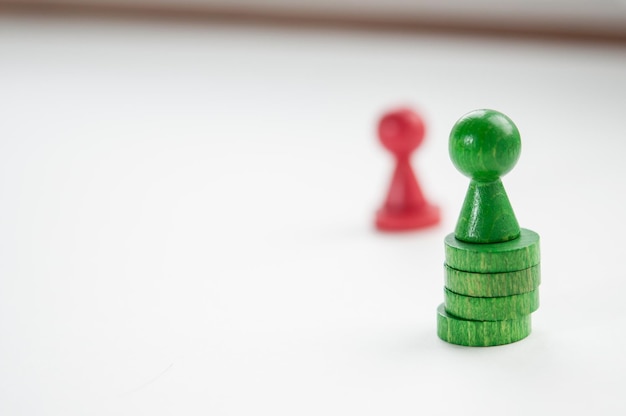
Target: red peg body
405, 208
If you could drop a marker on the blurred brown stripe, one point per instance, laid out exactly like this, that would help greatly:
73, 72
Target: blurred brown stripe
208, 14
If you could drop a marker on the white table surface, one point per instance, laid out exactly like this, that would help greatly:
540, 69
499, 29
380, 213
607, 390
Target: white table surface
186, 222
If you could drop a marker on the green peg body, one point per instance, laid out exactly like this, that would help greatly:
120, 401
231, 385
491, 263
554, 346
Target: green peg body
484, 145
490, 222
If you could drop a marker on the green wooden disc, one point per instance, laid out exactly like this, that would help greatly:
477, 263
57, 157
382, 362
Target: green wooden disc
480, 333
490, 285
491, 309
509, 256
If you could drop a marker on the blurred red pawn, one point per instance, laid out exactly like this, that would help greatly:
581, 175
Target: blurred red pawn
401, 131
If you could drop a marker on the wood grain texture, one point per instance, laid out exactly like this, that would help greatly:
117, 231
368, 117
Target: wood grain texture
509, 256
480, 333
491, 285
491, 309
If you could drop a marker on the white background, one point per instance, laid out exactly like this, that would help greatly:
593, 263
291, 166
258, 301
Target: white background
186, 222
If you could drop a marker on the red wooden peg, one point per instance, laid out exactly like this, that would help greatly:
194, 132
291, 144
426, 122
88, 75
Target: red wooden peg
401, 131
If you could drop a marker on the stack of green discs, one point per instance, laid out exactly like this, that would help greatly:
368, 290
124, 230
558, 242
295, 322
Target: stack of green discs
491, 290
492, 269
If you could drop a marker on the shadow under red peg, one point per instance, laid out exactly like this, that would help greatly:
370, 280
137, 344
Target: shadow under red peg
401, 131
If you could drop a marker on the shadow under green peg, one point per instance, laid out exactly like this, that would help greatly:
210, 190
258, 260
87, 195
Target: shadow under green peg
485, 145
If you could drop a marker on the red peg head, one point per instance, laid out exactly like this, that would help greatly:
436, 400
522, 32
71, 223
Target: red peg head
401, 131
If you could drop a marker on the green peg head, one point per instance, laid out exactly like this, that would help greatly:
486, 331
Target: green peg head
484, 145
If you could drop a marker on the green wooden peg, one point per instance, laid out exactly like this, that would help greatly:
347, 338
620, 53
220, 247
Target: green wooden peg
485, 145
